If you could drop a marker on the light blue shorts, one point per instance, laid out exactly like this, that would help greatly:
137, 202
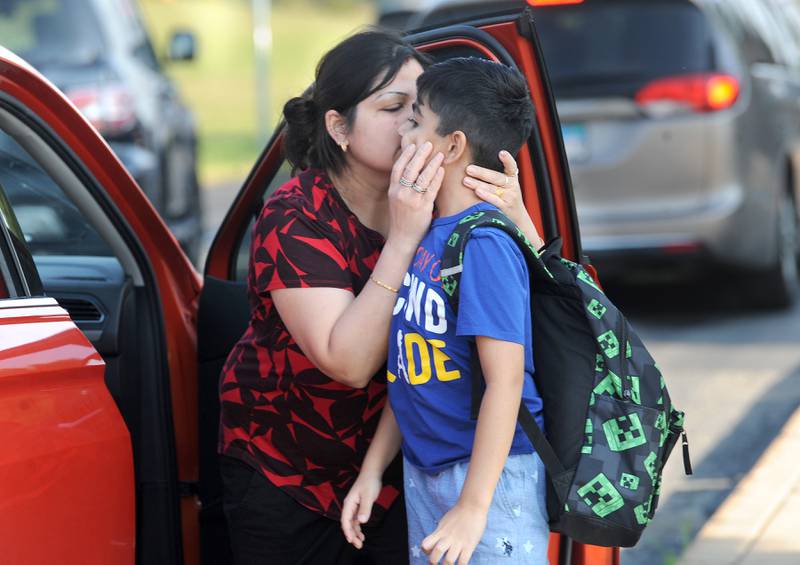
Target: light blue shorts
516, 528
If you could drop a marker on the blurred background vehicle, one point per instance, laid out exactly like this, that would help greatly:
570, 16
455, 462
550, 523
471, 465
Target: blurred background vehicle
99, 53
681, 122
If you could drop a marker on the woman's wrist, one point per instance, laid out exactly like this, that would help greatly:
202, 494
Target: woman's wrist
529, 229
393, 265
403, 247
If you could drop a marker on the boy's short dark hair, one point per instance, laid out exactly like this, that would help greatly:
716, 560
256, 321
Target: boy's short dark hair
486, 100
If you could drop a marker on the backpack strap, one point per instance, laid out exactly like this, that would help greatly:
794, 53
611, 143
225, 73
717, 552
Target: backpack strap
453, 256
451, 268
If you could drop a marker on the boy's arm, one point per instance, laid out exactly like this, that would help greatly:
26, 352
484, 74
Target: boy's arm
462, 527
384, 446
358, 503
504, 371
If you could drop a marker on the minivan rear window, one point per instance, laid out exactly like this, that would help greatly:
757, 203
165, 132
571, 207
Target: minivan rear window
613, 48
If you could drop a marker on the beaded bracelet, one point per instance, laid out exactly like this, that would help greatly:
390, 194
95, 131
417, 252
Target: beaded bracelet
382, 284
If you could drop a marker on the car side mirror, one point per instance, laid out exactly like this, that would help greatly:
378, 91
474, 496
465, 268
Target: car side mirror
182, 46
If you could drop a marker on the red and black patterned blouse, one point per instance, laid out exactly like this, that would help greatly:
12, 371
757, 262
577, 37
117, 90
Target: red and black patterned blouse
307, 433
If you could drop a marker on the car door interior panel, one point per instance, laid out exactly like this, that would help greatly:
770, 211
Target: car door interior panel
99, 298
224, 313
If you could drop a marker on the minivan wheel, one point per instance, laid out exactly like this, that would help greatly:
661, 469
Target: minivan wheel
778, 287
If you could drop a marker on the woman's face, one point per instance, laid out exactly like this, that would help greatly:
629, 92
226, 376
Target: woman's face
374, 140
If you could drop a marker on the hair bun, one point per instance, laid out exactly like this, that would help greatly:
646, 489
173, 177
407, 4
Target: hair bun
300, 111
301, 115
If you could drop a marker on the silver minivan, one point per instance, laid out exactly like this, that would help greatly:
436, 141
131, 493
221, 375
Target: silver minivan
681, 122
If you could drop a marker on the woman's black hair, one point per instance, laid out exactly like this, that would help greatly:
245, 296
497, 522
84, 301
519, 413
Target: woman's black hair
347, 74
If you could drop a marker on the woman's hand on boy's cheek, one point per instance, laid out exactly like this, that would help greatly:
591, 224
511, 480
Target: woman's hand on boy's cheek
357, 507
457, 535
492, 187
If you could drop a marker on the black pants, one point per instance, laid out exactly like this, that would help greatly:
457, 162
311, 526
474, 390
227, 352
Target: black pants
268, 527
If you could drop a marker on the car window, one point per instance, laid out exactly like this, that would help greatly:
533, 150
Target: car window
776, 30
18, 274
143, 49
49, 223
49, 33
749, 25
615, 48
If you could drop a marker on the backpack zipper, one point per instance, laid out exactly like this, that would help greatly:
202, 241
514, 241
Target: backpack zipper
623, 359
687, 463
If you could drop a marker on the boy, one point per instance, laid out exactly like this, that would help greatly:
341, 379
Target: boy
473, 491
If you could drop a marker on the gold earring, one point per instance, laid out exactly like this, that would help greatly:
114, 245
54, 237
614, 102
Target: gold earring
343, 145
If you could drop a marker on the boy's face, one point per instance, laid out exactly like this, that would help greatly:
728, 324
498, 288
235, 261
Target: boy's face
421, 127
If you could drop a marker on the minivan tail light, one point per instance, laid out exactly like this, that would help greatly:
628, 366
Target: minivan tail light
708, 92
553, 2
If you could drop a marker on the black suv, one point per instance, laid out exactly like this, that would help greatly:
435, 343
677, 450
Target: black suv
99, 54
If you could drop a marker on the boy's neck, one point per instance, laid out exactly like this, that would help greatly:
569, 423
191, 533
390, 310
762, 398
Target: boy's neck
453, 196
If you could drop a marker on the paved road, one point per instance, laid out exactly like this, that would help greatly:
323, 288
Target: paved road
216, 202
734, 371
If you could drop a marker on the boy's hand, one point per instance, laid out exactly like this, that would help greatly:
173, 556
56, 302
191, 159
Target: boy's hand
457, 536
357, 507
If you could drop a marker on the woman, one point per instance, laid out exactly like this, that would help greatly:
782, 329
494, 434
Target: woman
301, 391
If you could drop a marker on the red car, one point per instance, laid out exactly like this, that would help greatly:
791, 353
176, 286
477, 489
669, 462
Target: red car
111, 342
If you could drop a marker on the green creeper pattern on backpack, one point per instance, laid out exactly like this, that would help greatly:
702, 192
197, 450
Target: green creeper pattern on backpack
596, 309
601, 496
624, 432
630, 482
587, 442
610, 385
472, 218
635, 397
609, 344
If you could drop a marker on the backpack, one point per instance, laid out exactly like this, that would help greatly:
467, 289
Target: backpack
608, 416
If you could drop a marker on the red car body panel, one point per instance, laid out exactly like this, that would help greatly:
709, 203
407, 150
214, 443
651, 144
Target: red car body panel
66, 468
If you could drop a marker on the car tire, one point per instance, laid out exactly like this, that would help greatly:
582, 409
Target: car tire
778, 286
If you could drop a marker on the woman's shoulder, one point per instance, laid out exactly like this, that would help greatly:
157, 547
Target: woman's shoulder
304, 195
302, 204
306, 190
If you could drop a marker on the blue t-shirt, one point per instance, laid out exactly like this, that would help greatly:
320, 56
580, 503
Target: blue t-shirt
429, 350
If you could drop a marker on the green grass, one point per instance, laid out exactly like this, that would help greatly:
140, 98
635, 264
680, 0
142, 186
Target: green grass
219, 85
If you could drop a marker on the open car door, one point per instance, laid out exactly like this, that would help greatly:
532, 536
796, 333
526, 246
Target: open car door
66, 469
98, 453
509, 38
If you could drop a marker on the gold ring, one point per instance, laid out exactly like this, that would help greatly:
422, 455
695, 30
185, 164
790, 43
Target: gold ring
499, 192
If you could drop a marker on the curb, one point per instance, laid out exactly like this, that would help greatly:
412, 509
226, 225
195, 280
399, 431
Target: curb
753, 518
